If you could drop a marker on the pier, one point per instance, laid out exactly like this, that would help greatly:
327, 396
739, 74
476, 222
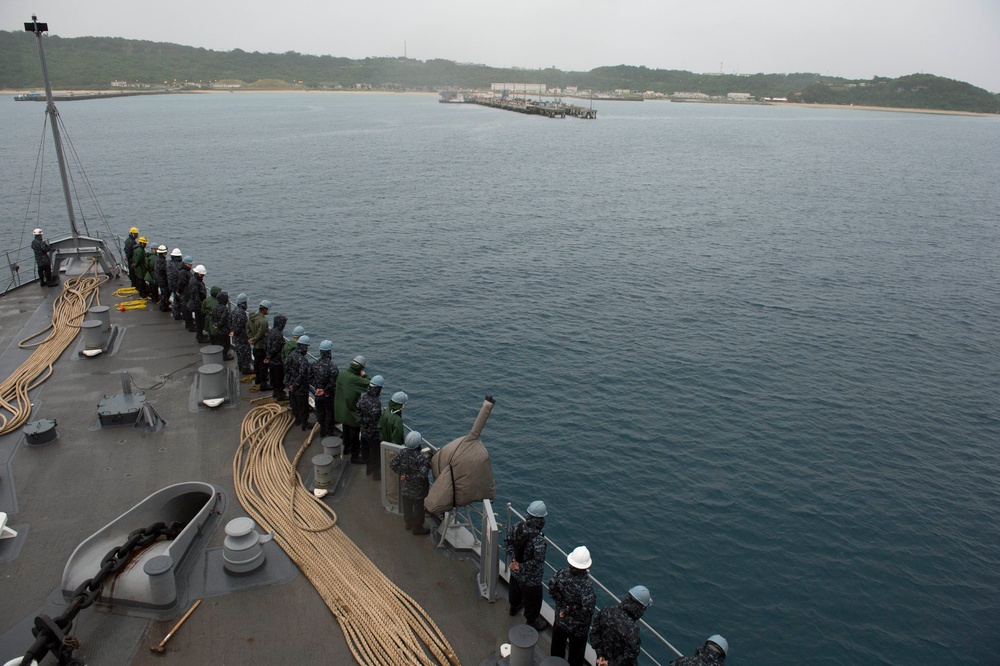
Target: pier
533, 107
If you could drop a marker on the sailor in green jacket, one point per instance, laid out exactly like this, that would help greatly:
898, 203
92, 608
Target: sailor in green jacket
139, 265
207, 306
290, 345
257, 335
390, 425
351, 385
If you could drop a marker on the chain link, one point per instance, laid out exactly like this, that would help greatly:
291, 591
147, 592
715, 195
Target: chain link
50, 634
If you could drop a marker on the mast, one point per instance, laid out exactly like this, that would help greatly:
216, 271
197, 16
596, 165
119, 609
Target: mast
53, 113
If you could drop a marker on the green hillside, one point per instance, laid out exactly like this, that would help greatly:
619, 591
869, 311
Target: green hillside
93, 62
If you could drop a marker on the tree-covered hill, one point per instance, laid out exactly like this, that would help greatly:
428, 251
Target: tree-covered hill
93, 62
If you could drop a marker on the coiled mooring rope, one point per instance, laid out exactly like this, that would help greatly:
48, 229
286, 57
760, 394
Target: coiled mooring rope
381, 623
68, 311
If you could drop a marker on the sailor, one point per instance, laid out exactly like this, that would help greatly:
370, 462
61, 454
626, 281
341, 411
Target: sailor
173, 275
138, 264
369, 412
297, 381
412, 466
257, 338
180, 296
222, 324
194, 297
351, 385
240, 319
42, 259
162, 279
152, 286
525, 546
207, 306
289, 345
390, 425
323, 377
615, 634
712, 653
573, 594
275, 365
130, 243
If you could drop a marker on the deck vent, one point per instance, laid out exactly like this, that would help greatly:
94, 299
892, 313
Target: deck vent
40, 432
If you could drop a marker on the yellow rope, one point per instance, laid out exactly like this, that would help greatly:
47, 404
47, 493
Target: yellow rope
68, 310
381, 623
125, 291
139, 304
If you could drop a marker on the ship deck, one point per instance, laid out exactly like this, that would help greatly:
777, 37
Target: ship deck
58, 494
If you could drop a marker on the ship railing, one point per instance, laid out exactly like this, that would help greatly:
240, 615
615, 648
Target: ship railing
14, 268
513, 516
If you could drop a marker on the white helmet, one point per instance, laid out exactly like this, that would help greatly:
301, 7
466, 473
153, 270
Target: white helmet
720, 641
579, 558
199, 269
161, 250
37, 232
176, 252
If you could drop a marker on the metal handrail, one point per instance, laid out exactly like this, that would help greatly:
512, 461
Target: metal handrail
512, 511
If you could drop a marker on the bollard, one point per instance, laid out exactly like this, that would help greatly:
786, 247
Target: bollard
333, 446
522, 645
162, 589
211, 355
212, 383
101, 313
94, 336
323, 463
243, 548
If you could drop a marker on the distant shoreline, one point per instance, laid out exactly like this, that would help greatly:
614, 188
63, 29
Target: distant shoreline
852, 107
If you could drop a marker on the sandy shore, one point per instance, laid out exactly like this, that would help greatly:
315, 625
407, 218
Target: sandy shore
885, 108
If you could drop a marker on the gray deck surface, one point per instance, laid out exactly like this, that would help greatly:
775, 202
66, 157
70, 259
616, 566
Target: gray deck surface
62, 492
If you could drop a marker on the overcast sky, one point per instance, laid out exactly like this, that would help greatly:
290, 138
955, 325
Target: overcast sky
959, 39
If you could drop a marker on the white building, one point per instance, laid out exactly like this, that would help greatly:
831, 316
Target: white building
536, 88
739, 97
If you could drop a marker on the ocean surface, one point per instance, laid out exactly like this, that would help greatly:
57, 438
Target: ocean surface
749, 356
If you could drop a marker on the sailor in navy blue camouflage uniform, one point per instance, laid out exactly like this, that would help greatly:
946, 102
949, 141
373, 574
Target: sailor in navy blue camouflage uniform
42, 259
369, 411
241, 339
323, 377
615, 634
712, 653
297, 381
573, 593
412, 466
276, 368
173, 273
525, 546
162, 283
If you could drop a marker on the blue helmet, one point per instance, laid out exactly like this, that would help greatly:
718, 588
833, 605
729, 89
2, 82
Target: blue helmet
537, 509
720, 641
265, 304
360, 360
297, 331
641, 594
400, 398
326, 345
378, 381
413, 440
304, 340
242, 298
188, 259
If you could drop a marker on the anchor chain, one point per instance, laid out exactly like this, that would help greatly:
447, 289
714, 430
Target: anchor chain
51, 633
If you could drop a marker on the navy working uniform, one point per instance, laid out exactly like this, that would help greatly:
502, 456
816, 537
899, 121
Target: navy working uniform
369, 410
712, 653
173, 272
180, 292
42, 259
195, 295
573, 593
241, 339
525, 546
323, 377
412, 466
257, 338
615, 634
162, 279
297, 380
276, 368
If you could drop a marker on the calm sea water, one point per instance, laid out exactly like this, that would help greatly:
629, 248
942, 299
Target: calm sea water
748, 355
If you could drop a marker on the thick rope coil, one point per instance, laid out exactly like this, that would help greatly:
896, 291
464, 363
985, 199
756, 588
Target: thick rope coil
381, 623
68, 311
